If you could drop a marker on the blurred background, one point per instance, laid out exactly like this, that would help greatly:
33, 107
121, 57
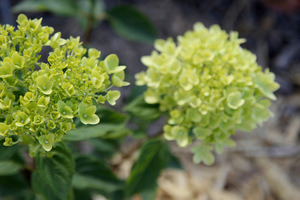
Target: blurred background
265, 165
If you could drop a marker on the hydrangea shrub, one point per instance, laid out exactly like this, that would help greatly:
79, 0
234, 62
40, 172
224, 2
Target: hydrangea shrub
39, 100
209, 86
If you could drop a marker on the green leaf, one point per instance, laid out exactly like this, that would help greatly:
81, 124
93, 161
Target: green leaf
42, 190
102, 130
149, 194
29, 6
174, 162
131, 24
99, 9
11, 153
95, 175
59, 7
117, 195
135, 92
112, 125
82, 194
104, 148
109, 116
95, 8
153, 158
86, 182
14, 187
9, 167
53, 177
144, 111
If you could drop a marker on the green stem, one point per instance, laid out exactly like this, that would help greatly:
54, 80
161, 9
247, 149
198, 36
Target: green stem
88, 30
91, 19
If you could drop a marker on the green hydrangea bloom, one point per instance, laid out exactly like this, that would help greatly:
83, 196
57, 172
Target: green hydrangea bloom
39, 100
209, 86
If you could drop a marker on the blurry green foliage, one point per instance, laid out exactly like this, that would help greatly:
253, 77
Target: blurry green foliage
125, 20
154, 157
131, 24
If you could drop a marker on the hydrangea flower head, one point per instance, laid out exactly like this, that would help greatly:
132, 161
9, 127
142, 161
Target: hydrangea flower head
39, 100
209, 86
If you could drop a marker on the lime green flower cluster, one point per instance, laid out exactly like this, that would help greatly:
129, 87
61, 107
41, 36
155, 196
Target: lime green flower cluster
39, 100
209, 86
